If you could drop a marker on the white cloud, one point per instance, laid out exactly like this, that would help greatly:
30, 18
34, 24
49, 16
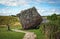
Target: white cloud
42, 0
13, 2
48, 1
50, 11
24, 2
8, 11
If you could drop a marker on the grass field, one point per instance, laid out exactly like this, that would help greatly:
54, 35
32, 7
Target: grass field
39, 32
5, 34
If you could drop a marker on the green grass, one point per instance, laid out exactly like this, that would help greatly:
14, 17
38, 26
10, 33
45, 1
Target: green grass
11, 35
5, 34
16, 27
38, 33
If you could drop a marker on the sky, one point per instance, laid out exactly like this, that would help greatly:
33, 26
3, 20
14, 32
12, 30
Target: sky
44, 7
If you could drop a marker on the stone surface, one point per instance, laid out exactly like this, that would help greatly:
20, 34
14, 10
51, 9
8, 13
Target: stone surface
30, 18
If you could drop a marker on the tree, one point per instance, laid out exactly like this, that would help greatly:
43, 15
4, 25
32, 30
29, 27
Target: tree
7, 20
55, 26
53, 17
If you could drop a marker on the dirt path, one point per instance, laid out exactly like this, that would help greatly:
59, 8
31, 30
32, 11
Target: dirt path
28, 35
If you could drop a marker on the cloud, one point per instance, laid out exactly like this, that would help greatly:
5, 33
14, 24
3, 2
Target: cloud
8, 11
13, 2
25, 2
50, 11
48, 1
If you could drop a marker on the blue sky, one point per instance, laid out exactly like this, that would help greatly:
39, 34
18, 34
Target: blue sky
44, 7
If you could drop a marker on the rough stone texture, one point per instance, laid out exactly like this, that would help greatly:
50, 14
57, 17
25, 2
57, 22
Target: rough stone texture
30, 18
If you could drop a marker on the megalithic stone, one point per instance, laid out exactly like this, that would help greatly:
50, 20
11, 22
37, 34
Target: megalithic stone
30, 18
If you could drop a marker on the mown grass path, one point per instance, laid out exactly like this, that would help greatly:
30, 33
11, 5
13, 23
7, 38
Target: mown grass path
28, 35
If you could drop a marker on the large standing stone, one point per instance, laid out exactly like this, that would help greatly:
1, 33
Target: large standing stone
30, 18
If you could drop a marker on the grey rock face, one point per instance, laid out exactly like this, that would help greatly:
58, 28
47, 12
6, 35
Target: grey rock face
30, 18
